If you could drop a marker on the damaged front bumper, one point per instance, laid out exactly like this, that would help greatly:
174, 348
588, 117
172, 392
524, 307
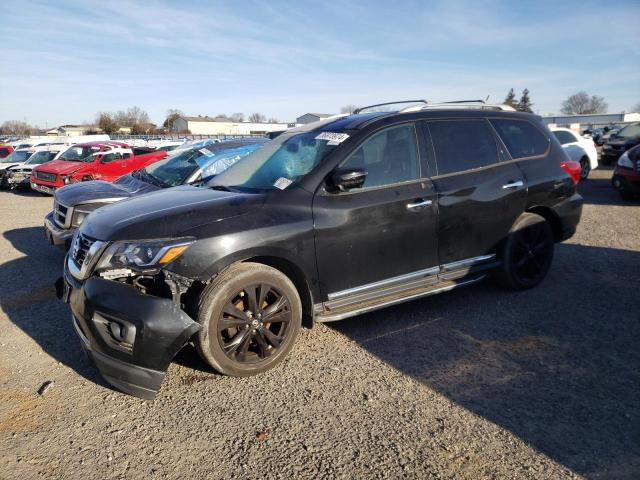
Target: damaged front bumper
131, 337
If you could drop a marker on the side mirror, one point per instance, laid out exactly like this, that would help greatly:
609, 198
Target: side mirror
346, 179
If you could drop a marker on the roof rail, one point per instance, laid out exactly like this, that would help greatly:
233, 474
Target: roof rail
359, 110
472, 104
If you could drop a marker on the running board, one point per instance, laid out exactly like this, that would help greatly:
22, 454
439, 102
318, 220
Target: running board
394, 299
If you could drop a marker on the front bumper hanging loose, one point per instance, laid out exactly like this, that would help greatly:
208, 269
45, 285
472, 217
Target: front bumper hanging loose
131, 337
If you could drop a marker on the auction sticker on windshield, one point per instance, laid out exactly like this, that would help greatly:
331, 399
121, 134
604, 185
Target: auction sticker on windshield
334, 138
282, 183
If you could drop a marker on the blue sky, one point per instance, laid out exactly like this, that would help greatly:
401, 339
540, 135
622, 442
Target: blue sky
63, 61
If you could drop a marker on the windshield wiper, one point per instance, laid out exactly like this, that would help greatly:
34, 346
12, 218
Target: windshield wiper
146, 176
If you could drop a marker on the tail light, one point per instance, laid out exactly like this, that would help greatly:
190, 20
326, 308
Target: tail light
573, 169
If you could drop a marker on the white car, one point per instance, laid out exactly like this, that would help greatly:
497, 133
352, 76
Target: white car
578, 148
17, 157
18, 175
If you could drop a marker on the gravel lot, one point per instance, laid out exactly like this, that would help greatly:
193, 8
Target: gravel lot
477, 383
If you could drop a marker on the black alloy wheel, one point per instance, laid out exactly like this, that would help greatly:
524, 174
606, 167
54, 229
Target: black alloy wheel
526, 254
254, 323
533, 253
250, 316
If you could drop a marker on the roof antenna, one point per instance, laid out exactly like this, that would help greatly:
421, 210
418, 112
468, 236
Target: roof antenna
487, 99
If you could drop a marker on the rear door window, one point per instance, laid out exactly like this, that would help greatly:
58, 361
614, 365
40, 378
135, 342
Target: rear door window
521, 138
463, 145
564, 137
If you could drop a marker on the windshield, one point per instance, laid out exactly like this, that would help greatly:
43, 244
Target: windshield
40, 157
17, 156
79, 154
630, 131
281, 162
211, 160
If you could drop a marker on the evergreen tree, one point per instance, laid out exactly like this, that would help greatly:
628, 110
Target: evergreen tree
511, 99
524, 105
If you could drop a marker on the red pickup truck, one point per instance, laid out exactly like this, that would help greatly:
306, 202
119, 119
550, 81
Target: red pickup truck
105, 160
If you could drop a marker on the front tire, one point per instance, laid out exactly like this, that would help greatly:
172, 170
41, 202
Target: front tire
527, 253
250, 316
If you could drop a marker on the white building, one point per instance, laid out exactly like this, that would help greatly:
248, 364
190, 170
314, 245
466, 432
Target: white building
223, 126
579, 122
312, 117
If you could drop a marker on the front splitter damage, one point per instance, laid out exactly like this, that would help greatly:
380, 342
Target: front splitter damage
130, 336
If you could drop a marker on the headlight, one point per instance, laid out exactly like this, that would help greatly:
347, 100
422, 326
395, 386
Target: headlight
80, 212
143, 254
625, 161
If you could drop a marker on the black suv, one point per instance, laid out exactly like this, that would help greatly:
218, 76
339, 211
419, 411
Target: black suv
326, 221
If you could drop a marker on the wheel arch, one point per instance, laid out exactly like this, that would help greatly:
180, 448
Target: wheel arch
297, 276
274, 258
551, 217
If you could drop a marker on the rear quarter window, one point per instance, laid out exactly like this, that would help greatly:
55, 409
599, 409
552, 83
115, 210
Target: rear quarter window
521, 138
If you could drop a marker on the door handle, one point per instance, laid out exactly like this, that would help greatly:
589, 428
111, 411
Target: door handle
511, 185
419, 205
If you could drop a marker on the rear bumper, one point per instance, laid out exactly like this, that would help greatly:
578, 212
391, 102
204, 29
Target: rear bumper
156, 329
569, 212
57, 236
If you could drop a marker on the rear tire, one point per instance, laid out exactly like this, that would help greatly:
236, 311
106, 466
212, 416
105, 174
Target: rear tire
250, 316
527, 253
586, 168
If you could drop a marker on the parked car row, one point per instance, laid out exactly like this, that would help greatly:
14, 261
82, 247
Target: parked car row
326, 221
196, 164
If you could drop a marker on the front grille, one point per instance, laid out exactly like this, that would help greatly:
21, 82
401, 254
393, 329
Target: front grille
46, 176
61, 214
80, 248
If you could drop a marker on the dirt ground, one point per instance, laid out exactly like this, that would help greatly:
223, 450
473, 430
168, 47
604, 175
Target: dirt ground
476, 383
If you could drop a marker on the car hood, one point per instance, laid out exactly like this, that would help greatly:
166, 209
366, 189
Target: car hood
98, 191
61, 167
166, 213
6, 166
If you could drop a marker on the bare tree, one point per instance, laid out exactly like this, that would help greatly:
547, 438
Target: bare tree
257, 118
132, 116
273, 120
172, 115
105, 121
636, 107
237, 117
581, 103
348, 109
142, 128
16, 127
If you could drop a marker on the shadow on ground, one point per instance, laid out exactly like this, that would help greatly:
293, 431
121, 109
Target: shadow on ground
559, 366
28, 298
